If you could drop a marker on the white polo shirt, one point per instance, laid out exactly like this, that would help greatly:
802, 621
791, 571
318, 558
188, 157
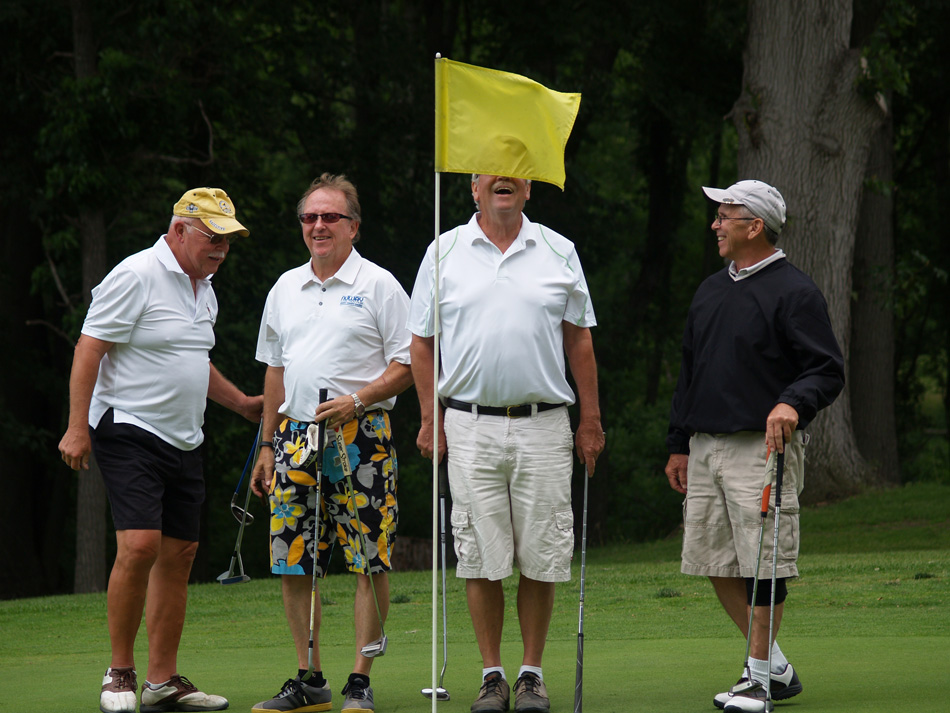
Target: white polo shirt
502, 339
156, 374
339, 335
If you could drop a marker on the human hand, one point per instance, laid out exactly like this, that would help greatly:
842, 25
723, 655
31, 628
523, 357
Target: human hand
75, 448
589, 441
779, 426
676, 471
263, 473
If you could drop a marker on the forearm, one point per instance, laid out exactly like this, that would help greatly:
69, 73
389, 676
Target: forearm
82, 378
422, 353
579, 348
393, 381
273, 398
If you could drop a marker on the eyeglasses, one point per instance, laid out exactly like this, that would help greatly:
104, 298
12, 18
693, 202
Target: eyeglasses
328, 218
213, 239
720, 218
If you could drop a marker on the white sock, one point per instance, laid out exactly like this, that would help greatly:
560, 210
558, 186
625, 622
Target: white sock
536, 670
156, 686
492, 669
759, 670
779, 662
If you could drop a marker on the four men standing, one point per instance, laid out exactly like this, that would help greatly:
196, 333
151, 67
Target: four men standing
759, 360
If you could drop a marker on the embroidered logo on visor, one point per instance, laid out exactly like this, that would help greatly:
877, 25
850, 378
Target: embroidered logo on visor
215, 225
351, 300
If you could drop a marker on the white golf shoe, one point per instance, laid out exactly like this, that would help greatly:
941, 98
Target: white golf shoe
118, 690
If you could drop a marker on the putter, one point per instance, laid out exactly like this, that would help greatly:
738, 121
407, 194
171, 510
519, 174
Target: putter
779, 473
236, 510
766, 494
235, 573
377, 647
321, 435
579, 675
440, 692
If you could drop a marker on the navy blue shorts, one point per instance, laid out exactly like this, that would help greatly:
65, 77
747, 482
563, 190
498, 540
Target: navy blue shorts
151, 484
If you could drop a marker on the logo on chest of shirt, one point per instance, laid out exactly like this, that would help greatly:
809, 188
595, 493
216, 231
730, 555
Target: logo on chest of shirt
351, 301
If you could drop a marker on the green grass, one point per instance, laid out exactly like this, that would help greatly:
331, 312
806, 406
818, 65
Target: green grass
867, 624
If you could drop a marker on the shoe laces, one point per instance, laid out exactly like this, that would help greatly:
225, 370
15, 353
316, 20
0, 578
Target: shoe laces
530, 682
182, 683
356, 691
123, 677
291, 687
491, 684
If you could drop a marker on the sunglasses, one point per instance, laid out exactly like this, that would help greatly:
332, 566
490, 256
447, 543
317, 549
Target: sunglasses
213, 239
328, 218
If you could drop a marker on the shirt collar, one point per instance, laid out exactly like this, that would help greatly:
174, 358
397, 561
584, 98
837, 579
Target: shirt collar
346, 274
163, 252
526, 235
741, 274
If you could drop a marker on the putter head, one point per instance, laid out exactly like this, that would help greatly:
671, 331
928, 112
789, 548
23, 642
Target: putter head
440, 694
240, 513
375, 648
231, 578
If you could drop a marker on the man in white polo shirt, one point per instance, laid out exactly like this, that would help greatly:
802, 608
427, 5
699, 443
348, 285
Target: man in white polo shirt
139, 384
513, 302
337, 322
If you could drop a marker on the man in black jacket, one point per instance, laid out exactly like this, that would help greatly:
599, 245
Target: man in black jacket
759, 360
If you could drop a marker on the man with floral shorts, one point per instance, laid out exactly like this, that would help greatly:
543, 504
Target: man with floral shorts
337, 322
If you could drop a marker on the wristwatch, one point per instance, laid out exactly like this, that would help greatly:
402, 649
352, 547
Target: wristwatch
360, 408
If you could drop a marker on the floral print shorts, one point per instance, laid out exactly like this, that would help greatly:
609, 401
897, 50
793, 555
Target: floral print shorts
293, 498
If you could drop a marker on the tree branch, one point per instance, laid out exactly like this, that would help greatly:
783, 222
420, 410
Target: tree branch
56, 330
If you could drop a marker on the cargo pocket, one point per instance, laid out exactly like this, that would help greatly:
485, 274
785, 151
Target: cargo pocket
564, 522
464, 536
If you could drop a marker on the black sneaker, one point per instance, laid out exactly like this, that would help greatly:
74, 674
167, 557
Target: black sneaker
493, 696
530, 694
358, 697
297, 695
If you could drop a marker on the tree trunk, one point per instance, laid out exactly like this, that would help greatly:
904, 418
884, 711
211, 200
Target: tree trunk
872, 329
804, 128
90, 568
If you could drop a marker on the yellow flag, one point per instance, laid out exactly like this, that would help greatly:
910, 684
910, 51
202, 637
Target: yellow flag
501, 124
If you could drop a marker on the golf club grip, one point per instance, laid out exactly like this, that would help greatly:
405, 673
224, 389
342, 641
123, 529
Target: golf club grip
766, 494
444, 475
779, 474
321, 431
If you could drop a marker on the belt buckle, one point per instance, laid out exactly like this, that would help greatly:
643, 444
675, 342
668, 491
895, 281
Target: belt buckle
508, 411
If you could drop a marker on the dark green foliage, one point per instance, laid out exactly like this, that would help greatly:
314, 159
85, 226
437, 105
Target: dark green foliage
259, 98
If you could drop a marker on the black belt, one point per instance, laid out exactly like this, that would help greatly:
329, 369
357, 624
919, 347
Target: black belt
509, 411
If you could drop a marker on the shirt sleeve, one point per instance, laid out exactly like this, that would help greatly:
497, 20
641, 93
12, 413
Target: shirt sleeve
269, 350
393, 329
821, 365
421, 319
579, 310
117, 304
677, 439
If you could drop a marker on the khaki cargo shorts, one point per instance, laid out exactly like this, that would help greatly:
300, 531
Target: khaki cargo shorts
722, 511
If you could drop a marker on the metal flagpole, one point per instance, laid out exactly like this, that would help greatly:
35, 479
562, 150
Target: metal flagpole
435, 443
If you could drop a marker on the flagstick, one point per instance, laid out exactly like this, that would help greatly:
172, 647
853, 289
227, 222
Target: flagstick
435, 449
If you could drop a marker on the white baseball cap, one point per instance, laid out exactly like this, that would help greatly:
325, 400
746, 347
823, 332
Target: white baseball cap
762, 200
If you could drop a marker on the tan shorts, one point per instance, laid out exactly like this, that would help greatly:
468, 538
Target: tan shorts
722, 511
511, 494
